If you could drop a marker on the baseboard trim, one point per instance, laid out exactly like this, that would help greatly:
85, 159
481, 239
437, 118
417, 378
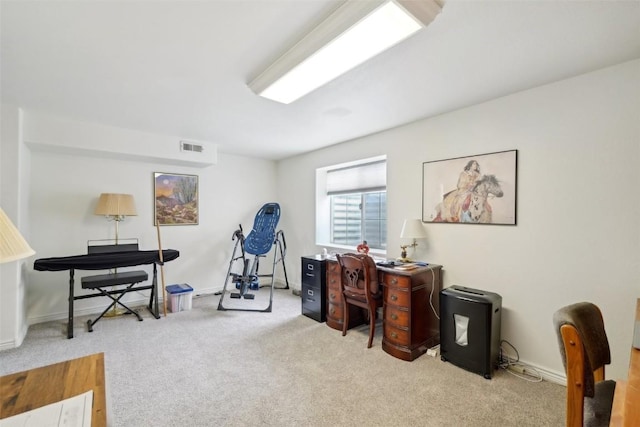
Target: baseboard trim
17, 341
552, 376
545, 373
278, 284
7, 345
87, 311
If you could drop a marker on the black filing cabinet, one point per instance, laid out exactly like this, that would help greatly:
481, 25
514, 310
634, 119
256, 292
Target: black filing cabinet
313, 287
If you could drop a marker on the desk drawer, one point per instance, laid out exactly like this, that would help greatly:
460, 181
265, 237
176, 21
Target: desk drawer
397, 336
333, 275
334, 296
398, 297
397, 281
396, 316
334, 311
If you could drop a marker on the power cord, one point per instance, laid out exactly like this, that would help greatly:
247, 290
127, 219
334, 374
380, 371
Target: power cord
516, 368
433, 287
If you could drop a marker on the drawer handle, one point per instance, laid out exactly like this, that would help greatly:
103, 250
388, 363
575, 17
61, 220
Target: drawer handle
394, 317
310, 275
333, 281
332, 311
309, 292
394, 281
332, 296
394, 297
394, 335
309, 266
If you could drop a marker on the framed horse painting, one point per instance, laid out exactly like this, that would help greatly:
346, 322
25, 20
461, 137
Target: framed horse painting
478, 189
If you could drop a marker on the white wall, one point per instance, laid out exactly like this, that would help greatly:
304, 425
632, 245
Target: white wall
59, 134
578, 234
14, 186
64, 191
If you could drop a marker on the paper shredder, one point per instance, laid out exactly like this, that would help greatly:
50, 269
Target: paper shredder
470, 328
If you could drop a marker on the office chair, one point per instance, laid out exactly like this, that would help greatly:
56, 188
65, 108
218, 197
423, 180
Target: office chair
585, 350
359, 284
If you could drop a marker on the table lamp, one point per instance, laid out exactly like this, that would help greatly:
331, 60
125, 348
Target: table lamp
411, 229
13, 246
115, 207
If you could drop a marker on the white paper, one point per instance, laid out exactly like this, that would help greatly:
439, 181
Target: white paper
72, 412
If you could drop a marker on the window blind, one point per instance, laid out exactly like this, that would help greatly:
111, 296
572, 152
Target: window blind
358, 179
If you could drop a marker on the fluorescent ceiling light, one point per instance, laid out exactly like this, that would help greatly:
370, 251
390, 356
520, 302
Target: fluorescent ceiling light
354, 33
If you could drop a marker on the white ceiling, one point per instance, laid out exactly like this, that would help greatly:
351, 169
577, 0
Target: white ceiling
181, 67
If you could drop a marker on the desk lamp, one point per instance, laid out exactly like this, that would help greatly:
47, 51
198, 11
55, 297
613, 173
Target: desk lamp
411, 229
12, 245
115, 207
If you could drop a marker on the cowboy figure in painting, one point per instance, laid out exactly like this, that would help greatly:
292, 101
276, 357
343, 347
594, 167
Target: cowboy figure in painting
468, 203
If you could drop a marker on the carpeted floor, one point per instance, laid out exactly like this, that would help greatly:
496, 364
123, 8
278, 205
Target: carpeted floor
206, 367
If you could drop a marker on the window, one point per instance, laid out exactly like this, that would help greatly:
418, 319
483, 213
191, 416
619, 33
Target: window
352, 204
358, 217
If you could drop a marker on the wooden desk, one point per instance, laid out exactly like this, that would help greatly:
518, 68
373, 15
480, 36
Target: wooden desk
626, 400
410, 326
27, 390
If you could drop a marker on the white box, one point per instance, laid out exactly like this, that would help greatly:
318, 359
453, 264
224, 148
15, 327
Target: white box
179, 297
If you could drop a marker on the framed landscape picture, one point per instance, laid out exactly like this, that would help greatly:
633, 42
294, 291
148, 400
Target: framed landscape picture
175, 199
478, 189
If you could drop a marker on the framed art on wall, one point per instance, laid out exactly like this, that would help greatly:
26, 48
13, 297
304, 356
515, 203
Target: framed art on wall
175, 199
478, 189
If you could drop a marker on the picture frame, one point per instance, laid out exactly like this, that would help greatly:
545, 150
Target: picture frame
175, 199
479, 189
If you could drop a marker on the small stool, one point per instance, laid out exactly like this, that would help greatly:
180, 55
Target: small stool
100, 281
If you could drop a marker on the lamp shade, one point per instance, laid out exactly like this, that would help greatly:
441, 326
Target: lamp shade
413, 229
117, 205
13, 246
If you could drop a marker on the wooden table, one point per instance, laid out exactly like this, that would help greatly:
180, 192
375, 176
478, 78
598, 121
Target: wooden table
27, 390
626, 400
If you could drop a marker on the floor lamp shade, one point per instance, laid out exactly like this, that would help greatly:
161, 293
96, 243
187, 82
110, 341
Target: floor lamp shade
14, 246
116, 205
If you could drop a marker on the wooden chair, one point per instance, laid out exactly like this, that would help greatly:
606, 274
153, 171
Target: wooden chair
585, 350
359, 283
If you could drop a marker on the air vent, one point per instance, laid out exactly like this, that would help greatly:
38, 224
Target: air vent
189, 146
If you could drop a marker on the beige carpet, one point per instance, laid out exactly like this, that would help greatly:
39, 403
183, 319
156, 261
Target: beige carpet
206, 367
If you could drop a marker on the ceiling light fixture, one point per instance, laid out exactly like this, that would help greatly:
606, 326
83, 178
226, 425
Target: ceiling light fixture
353, 34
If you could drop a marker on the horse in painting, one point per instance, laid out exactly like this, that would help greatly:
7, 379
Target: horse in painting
469, 205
